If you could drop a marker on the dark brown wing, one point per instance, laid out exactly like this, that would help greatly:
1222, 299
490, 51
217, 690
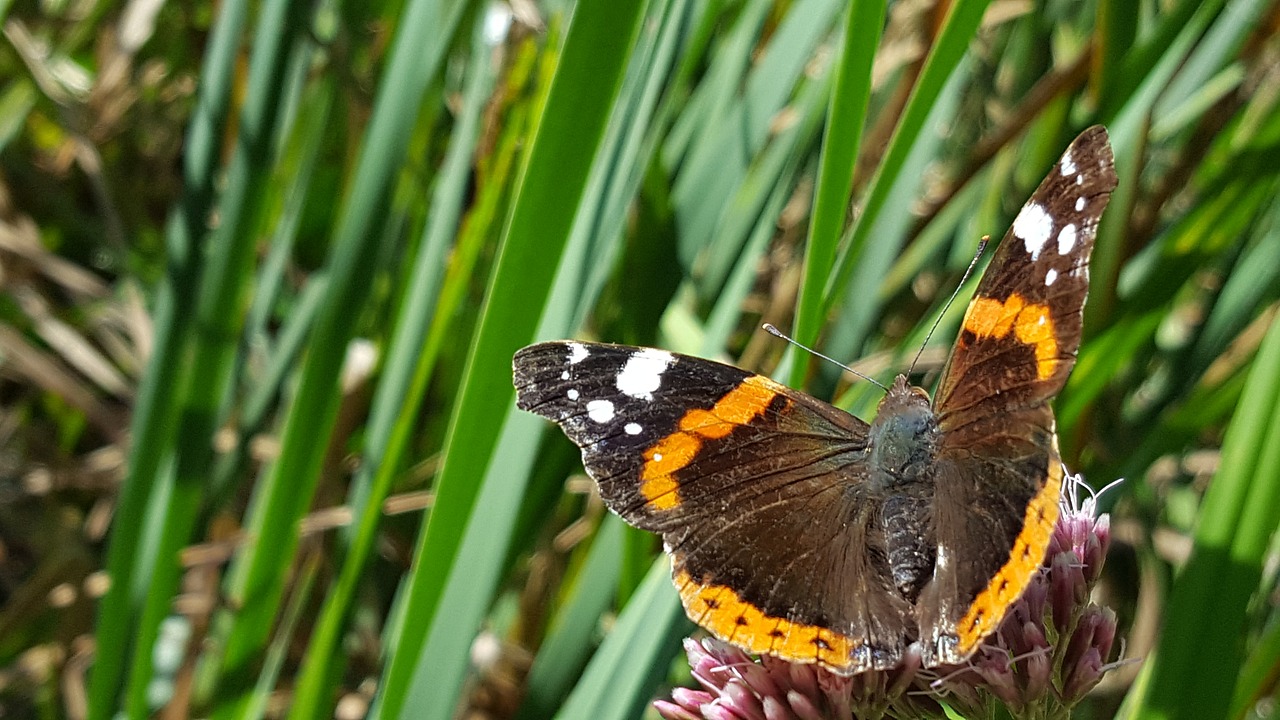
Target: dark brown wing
754, 487
999, 471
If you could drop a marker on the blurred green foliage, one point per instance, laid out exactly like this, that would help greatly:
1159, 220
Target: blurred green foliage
264, 266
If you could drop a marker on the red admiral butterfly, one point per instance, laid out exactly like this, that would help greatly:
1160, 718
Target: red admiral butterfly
798, 530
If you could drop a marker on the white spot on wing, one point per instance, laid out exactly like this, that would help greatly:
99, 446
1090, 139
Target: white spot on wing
643, 373
1067, 238
564, 375
573, 394
577, 353
1080, 203
1050, 277
632, 428
657, 457
600, 411
1033, 226
1068, 164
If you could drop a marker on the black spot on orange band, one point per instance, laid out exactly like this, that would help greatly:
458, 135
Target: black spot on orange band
991, 605
726, 615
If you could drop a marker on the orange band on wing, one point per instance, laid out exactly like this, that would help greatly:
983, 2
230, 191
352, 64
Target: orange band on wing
991, 605
727, 616
1031, 324
665, 458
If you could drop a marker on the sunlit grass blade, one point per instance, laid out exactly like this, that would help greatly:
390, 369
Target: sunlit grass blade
460, 553
753, 213
944, 57
841, 141
1240, 513
858, 308
257, 577
735, 124
158, 402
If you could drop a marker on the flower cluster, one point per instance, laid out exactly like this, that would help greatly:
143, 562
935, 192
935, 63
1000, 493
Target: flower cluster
1052, 648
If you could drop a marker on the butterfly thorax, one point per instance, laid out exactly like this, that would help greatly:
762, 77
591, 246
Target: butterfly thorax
903, 437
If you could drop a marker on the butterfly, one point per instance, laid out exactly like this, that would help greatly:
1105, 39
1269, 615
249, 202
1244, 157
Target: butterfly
798, 530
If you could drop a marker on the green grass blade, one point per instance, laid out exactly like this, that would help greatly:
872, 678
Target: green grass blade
561, 658
223, 285
735, 126
426, 671
257, 576
398, 397
1240, 513
1257, 677
1128, 124
634, 657
859, 312
765, 190
944, 57
157, 405
846, 116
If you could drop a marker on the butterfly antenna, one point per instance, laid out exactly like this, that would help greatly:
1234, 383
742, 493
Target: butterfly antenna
769, 328
982, 245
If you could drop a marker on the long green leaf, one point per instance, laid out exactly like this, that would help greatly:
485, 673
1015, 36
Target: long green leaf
846, 116
431, 653
953, 41
257, 577
1238, 518
156, 408
396, 403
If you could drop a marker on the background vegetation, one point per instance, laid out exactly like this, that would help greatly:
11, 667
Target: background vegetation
264, 266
